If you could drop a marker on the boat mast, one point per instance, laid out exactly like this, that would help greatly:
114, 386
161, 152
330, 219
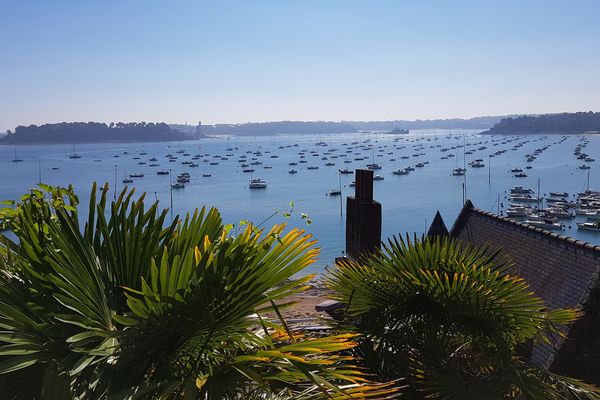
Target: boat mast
340, 180
171, 186
588, 181
464, 168
538, 194
115, 193
40, 171
498, 213
489, 170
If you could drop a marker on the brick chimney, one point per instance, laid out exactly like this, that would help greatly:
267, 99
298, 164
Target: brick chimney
363, 217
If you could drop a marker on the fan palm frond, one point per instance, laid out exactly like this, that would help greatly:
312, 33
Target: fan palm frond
132, 307
447, 315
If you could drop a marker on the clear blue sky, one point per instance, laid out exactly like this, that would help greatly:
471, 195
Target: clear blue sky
246, 60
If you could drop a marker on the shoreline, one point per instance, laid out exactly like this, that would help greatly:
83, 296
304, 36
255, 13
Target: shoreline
304, 308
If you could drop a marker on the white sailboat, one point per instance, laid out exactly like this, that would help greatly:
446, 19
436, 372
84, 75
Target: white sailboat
74, 155
15, 160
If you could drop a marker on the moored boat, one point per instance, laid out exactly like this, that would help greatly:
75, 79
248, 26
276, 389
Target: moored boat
559, 194
522, 198
544, 224
520, 190
373, 166
518, 211
589, 226
257, 184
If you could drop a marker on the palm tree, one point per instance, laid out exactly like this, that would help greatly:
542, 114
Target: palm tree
451, 319
132, 307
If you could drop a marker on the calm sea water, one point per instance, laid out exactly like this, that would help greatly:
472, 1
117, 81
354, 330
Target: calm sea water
409, 202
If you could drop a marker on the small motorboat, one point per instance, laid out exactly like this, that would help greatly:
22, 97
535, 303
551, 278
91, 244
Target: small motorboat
257, 184
544, 224
518, 211
559, 194
589, 226
520, 189
559, 213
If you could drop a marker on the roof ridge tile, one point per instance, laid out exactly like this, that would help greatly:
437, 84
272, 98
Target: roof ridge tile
567, 239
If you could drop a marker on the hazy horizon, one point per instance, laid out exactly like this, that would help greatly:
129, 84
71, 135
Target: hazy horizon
195, 123
238, 61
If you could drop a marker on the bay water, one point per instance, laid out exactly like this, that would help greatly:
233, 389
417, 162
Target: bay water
409, 202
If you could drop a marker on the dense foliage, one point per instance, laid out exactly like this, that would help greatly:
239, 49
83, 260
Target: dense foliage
131, 307
278, 127
79, 132
579, 122
326, 127
452, 320
125, 305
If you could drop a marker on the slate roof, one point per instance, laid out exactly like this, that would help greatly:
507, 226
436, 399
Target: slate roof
559, 269
438, 227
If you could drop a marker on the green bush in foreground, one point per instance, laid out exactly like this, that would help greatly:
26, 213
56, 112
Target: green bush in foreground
132, 307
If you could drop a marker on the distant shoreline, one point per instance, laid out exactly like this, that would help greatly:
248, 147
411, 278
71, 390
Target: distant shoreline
562, 124
94, 132
140, 132
70, 143
488, 132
